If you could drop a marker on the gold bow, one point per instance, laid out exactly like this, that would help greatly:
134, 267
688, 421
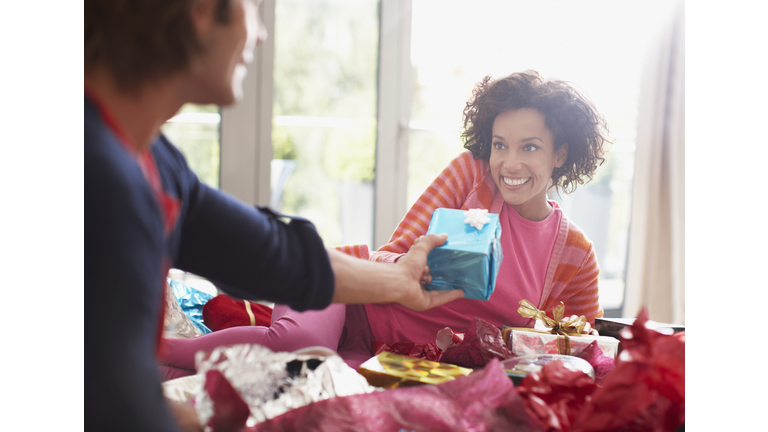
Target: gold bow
567, 328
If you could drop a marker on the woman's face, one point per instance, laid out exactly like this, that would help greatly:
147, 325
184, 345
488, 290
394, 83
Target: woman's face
522, 160
218, 72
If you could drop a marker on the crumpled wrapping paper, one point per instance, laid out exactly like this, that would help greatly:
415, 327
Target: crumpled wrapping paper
176, 323
271, 383
645, 392
427, 351
556, 395
482, 401
481, 343
191, 301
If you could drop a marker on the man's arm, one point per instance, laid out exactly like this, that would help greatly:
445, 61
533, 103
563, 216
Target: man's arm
361, 281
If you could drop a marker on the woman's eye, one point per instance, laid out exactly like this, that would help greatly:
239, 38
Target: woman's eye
530, 147
498, 146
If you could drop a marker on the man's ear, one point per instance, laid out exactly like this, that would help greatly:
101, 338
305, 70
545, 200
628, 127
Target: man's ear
562, 155
202, 16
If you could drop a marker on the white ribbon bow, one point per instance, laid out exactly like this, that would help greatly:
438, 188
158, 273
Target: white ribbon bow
476, 217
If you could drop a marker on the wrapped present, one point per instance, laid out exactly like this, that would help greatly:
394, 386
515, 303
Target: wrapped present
389, 370
562, 336
470, 258
522, 342
223, 312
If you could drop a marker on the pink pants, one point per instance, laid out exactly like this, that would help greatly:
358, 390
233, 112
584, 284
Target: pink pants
344, 329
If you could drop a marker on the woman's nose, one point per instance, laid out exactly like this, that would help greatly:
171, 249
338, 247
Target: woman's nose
512, 162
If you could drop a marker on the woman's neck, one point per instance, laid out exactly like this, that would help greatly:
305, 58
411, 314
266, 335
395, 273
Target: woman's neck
139, 113
533, 212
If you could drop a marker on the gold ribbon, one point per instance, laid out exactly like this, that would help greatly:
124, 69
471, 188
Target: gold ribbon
250, 312
563, 329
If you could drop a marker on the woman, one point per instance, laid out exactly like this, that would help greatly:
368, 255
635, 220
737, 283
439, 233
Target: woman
525, 136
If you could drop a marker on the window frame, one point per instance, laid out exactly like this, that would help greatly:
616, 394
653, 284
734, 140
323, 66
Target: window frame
246, 128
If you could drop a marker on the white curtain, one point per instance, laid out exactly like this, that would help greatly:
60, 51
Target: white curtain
656, 256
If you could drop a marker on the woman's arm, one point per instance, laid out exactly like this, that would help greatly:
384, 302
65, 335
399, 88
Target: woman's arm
578, 272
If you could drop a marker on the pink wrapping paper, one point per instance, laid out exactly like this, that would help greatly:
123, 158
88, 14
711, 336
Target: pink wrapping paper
523, 342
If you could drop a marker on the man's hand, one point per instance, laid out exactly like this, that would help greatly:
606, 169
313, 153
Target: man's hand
363, 281
416, 271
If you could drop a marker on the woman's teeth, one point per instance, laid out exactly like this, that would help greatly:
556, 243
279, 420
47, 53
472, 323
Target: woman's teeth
515, 182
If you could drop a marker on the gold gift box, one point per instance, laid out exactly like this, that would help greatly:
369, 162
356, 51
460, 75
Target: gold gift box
388, 370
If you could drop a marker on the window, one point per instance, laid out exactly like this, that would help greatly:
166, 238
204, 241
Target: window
195, 131
324, 129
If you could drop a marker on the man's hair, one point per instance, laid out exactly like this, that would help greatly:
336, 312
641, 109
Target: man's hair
140, 40
569, 116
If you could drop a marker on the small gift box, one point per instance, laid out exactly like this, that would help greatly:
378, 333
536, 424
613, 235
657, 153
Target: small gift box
389, 370
470, 258
561, 336
223, 312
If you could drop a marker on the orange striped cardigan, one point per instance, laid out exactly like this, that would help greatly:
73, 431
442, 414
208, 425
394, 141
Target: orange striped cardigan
572, 274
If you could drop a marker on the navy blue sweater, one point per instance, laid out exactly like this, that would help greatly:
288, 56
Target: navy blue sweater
244, 250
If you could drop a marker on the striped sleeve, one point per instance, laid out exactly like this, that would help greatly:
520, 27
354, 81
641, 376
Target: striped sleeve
358, 250
449, 190
577, 277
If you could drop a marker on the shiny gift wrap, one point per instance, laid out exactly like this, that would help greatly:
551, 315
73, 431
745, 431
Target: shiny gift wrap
389, 370
273, 383
191, 301
470, 258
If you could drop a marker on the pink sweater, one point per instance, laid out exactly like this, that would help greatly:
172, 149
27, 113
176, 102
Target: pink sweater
571, 277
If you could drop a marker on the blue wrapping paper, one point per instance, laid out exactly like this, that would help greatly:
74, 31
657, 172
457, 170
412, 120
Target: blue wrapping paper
470, 258
191, 301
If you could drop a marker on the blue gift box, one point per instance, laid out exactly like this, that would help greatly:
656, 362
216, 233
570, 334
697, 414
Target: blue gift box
470, 258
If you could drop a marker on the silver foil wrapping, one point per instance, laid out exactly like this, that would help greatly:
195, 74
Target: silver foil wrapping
272, 383
177, 323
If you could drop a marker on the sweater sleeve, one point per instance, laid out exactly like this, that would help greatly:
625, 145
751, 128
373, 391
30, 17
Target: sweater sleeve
249, 253
449, 190
577, 277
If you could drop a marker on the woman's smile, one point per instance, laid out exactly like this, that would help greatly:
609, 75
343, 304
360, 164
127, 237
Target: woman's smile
515, 182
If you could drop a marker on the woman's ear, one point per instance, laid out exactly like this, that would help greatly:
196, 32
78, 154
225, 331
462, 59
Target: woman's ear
202, 16
561, 155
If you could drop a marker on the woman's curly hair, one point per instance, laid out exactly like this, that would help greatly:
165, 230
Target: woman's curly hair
569, 116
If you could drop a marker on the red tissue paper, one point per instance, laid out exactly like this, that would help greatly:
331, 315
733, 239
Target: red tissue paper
428, 351
230, 412
224, 311
485, 400
601, 363
646, 390
482, 343
556, 395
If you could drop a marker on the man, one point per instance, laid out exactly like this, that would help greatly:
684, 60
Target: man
145, 211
